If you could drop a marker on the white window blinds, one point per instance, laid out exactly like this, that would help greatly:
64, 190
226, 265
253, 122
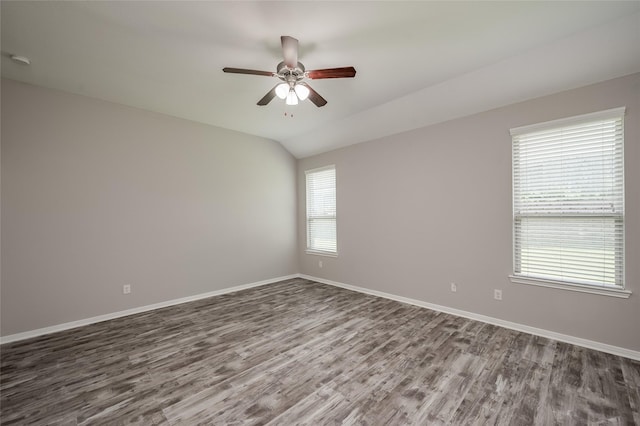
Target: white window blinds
568, 200
321, 210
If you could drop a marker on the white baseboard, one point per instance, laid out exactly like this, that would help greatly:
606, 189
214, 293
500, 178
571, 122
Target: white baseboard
68, 325
603, 347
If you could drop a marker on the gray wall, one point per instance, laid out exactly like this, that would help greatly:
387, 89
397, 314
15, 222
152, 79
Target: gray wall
96, 195
419, 210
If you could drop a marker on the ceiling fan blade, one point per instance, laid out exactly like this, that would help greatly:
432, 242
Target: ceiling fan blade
245, 71
344, 72
268, 97
314, 96
290, 51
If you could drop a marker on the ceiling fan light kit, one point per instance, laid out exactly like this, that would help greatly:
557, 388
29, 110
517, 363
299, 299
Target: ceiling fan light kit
292, 99
293, 88
282, 90
302, 91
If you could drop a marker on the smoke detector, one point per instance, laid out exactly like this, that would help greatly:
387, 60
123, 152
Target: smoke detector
22, 60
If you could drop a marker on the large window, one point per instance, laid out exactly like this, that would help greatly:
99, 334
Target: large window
568, 203
321, 210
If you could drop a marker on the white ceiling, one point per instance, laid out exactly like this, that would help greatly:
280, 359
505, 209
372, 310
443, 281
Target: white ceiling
417, 63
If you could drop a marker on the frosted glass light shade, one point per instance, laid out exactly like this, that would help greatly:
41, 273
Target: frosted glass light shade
292, 99
282, 90
302, 91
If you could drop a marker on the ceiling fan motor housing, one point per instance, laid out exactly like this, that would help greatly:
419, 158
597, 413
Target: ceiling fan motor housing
290, 75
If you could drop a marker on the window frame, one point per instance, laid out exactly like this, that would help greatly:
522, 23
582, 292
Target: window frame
309, 249
617, 291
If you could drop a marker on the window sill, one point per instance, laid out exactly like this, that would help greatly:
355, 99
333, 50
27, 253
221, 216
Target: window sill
582, 288
322, 253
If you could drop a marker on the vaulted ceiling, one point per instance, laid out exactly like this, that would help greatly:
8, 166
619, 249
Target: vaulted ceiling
417, 63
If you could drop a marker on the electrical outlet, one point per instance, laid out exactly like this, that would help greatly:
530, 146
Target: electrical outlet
497, 294
319, 263
126, 289
454, 287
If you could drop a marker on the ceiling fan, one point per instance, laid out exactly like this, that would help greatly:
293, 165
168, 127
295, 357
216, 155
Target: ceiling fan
293, 75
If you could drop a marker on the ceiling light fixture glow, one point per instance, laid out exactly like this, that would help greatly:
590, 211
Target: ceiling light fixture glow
302, 91
292, 99
282, 90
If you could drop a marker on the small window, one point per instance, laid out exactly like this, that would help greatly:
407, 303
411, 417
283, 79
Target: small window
321, 210
568, 201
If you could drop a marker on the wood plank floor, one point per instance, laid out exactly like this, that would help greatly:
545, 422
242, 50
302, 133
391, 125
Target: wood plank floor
298, 352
